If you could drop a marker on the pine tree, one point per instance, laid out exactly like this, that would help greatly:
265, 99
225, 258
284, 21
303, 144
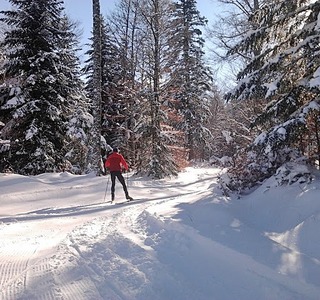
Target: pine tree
285, 74
114, 90
2, 52
191, 78
156, 158
94, 154
79, 118
4, 144
127, 28
36, 105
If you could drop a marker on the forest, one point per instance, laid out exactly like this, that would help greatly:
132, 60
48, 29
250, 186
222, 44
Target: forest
149, 87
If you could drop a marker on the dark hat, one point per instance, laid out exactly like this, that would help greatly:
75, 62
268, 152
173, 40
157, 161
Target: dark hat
115, 149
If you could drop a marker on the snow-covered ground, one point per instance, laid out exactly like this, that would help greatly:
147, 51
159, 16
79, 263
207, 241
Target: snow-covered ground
181, 239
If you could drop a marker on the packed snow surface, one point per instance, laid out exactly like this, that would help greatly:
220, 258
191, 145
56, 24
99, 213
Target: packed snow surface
181, 239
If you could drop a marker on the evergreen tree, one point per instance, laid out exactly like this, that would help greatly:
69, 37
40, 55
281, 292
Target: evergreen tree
191, 78
2, 52
4, 144
114, 90
286, 74
79, 118
39, 86
127, 28
156, 158
94, 154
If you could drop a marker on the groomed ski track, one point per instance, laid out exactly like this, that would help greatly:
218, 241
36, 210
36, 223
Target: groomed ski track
182, 240
50, 245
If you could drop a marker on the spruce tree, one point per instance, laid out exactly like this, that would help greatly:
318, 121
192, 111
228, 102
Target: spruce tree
191, 78
79, 119
285, 74
36, 105
127, 28
114, 92
4, 144
156, 159
94, 153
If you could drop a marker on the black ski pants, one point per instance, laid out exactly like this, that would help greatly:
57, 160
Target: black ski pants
114, 175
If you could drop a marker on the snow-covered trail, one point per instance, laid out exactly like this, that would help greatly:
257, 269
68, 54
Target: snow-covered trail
181, 239
39, 214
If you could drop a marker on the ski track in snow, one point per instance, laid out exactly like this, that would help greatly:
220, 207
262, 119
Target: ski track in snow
89, 249
65, 268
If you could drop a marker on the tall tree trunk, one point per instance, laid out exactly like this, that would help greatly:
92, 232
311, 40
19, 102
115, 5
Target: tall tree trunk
156, 79
96, 97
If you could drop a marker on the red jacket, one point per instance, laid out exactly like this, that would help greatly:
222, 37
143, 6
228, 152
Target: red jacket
115, 162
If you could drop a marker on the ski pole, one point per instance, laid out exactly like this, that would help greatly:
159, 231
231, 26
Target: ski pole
127, 180
105, 194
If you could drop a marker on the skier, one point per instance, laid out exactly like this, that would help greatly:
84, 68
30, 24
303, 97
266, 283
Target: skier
115, 162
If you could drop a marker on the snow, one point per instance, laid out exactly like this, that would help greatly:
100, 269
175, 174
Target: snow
281, 131
227, 136
271, 87
32, 131
318, 23
315, 81
181, 239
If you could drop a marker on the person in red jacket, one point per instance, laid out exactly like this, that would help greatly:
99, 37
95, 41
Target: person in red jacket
115, 162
